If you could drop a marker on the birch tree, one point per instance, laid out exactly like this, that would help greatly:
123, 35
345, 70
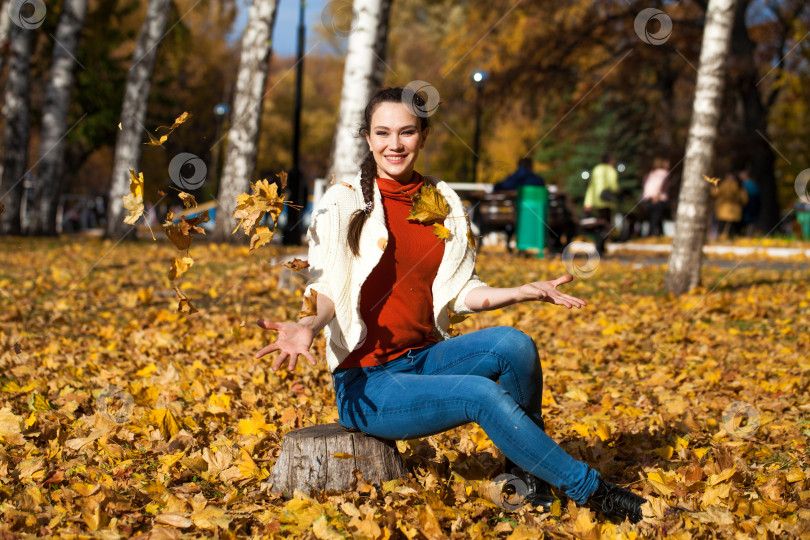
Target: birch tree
133, 112
48, 178
683, 271
15, 131
5, 21
243, 137
362, 75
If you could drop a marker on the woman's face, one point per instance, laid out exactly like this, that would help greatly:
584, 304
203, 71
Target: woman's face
395, 140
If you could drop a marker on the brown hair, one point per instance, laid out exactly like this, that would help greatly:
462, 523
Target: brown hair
368, 167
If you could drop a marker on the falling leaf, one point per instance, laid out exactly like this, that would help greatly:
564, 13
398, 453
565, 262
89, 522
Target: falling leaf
177, 122
310, 307
348, 185
282, 178
133, 201
119, 126
180, 233
154, 141
470, 239
382, 243
179, 267
296, 265
184, 306
712, 180
441, 232
261, 236
188, 199
250, 209
332, 180
428, 206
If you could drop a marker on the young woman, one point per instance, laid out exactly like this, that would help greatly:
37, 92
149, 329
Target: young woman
384, 286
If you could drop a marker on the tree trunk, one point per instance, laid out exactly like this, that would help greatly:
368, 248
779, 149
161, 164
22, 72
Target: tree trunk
15, 131
133, 112
325, 458
683, 271
5, 22
362, 75
48, 178
246, 115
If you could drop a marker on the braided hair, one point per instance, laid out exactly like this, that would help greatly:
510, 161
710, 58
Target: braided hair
368, 167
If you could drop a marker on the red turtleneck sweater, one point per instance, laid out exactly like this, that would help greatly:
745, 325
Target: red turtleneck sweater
396, 300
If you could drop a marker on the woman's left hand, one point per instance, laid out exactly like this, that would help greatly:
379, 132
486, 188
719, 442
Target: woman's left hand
546, 291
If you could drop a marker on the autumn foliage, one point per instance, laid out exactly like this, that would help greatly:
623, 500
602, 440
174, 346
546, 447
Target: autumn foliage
122, 417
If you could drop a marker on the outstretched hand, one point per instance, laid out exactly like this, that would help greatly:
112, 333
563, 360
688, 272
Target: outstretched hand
293, 339
546, 291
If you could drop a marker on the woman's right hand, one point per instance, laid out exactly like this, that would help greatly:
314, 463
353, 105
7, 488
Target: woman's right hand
293, 339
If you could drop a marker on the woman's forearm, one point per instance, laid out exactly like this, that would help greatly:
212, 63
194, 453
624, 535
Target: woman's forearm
488, 298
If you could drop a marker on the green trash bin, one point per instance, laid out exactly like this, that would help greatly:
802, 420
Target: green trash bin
803, 217
532, 215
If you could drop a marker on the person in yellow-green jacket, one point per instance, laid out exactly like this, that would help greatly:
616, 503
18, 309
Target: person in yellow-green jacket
600, 198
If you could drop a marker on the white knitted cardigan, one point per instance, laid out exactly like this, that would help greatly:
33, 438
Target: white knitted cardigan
339, 275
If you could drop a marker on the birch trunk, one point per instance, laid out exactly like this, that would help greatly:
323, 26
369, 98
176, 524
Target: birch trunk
243, 137
5, 21
15, 131
362, 75
683, 271
48, 179
133, 112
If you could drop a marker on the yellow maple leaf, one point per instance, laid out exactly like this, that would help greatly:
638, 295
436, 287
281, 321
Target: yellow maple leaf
261, 237
219, 403
180, 233
133, 201
164, 420
428, 205
154, 141
441, 232
250, 209
255, 425
296, 265
179, 267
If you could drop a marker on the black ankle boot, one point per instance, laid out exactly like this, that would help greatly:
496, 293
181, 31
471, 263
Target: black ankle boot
616, 502
538, 491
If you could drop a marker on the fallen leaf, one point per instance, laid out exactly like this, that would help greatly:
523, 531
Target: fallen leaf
133, 201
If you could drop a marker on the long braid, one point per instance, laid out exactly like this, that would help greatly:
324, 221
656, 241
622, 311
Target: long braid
368, 173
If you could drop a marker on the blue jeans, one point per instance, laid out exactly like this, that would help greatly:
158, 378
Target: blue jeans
453, 382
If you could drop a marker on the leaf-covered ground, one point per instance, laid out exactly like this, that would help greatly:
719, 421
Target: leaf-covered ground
120, 417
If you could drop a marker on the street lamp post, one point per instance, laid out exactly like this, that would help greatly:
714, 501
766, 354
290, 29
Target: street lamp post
477, 77
292, 232
220, 110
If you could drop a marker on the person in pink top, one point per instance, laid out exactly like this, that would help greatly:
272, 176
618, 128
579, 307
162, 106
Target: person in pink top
654, 195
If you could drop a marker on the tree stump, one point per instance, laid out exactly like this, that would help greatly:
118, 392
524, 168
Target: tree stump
325, 457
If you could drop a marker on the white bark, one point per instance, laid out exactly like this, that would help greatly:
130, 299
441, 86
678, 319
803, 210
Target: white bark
48, 179
683, 271
243, 137
362, 76
15, 131
5, 21
133, 112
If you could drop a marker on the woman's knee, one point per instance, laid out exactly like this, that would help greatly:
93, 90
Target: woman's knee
518, 349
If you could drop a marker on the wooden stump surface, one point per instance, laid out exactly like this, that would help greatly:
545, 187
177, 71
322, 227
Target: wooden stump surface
325, 457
